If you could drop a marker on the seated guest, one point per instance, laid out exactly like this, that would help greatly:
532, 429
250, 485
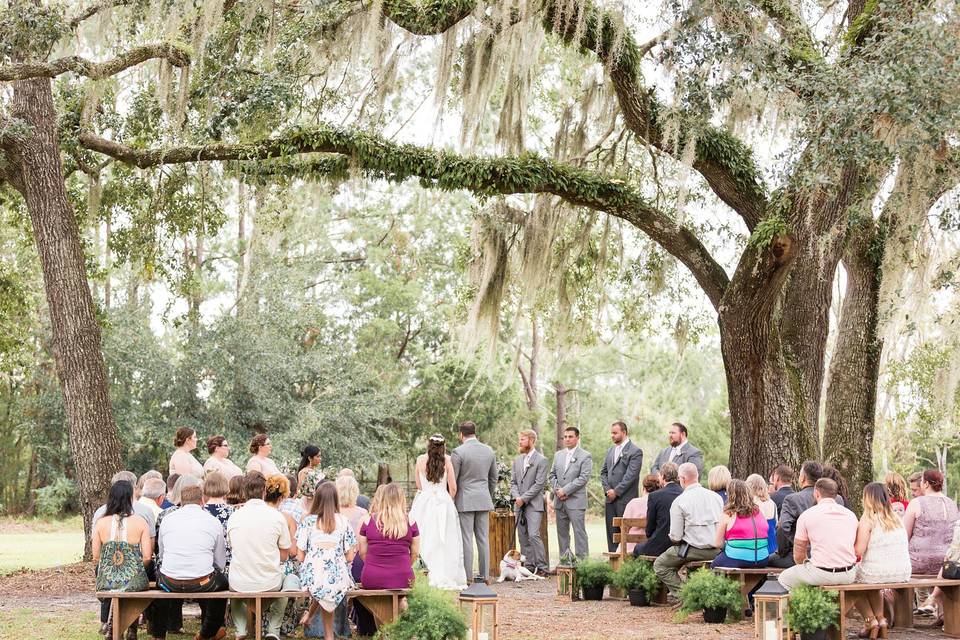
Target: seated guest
292, 495
310, 460
717, 479
146, 475
761, 496
139, 509
882, 545
300, 507
259, 538
793, 505
362, 501
781, 481
693, 528
171, 482
182, 461
843, 490
174, 609
278, 490
637, 508
235, 492
741, 530
193, 551
152, 495
215, 487
389, 542
328, 543
260, 461
914, 482
122, 548
823, 551
896, 488
929, 524
347, 492
219, 449
658, 513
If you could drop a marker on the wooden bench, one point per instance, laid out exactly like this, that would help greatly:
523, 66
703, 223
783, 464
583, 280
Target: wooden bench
623, 537
748, 578
383, 604
903, 602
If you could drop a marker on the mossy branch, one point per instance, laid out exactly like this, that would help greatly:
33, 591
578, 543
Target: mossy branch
175, 55
428, 17
793, 30
485, 176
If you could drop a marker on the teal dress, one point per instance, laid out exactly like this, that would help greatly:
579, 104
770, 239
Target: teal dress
121, 563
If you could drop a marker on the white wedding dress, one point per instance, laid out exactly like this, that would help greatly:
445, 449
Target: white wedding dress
440, 544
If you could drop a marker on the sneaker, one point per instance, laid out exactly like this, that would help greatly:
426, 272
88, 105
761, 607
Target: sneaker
271, 636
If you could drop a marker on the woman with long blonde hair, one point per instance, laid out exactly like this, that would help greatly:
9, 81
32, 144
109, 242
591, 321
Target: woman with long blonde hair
760, 490
389, 541
885, 557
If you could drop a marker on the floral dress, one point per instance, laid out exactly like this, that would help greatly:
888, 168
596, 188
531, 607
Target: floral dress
222, 513
121, 562
324, 572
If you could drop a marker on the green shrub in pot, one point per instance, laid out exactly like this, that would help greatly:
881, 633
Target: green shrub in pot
812, 609
636, 575
705, 589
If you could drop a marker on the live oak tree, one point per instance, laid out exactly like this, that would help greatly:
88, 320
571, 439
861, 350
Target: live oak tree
869, 90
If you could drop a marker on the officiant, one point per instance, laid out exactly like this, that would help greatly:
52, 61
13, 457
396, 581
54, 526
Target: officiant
527, 482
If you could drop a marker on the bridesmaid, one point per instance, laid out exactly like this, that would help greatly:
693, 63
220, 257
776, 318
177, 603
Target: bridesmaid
261, 447
182, 461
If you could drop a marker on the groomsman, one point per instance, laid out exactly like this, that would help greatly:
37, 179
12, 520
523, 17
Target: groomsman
571, 470
527, 482
679, 451
620, 477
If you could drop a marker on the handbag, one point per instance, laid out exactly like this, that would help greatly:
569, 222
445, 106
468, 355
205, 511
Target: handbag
951, 570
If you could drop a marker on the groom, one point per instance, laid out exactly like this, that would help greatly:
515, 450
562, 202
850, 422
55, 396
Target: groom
475, 467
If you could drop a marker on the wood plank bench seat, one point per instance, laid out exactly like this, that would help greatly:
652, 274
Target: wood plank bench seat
748, 578
383, 604
903, 602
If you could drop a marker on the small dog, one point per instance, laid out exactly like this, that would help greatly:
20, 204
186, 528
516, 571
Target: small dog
511, 568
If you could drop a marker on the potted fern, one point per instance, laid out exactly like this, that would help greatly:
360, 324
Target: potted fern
713, 593
431, 614
592, 577
812, 611
637, 578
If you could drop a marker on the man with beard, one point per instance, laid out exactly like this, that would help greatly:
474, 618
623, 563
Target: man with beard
679, 451
527, 482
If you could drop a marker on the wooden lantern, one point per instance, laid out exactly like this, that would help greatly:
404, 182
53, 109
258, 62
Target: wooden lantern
770, 611
479, 604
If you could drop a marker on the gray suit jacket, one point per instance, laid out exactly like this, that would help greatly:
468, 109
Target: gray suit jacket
529, 485
573, 480
624, 476
475, 467
689, 453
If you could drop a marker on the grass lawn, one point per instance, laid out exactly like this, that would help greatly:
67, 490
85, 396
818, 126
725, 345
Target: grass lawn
596, 536
61, 542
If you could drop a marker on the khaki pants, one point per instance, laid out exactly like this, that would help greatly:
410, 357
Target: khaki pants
667, 565
807, 573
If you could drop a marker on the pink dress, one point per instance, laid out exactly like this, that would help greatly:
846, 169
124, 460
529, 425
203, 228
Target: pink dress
636, 508
932, 533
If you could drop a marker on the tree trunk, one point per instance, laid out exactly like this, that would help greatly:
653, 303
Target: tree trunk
529, 378
561, 393
855, 368
76, 333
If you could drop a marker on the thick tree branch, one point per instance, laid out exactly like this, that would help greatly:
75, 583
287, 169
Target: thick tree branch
793, 30
175, 55
380, 158
94, 9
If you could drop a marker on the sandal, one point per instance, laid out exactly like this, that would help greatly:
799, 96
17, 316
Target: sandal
883, 627
870, 629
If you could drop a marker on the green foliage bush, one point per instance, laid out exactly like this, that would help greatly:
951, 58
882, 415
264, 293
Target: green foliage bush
430, 615
812, 609
57, 499
593, 573
636, 575
707, 590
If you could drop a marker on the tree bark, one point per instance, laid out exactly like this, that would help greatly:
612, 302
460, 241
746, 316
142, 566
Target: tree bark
561, 393
76, 333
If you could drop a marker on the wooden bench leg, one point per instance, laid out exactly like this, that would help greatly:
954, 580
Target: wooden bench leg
839, 632
951, 611
903, 608
125, 612
258, 618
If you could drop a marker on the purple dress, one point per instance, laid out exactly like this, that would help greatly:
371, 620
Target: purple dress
932, 533
388, 564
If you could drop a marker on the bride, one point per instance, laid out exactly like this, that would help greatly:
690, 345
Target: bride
436, 516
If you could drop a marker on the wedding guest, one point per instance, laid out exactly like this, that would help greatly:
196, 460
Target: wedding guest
261, 447
782, 483
171, 482
717, 480
362, 501
122, 547
882, 545
259, 537
146, 475
760, 491
347, 492
896, 488
182, 461
794, 505
328, 544
310, 460
914, 481
300, 508
277, 491
679, 451
843, 490
389, 542
152, 495
292, 498
637, 508
929, 524
174, 609
139, 509
193, 551
693, 527
826, 533
215, 488
658, 513
219, 449
235, 492
742, 529
619, 477
569, 475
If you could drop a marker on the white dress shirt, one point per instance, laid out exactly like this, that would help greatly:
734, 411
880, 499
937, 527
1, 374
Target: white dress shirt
190, 543
618, 451
570, 452
675, 451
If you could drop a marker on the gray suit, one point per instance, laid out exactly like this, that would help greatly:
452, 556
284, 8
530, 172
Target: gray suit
623, 476
475, 467
528, 484
688, 453
572, 479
